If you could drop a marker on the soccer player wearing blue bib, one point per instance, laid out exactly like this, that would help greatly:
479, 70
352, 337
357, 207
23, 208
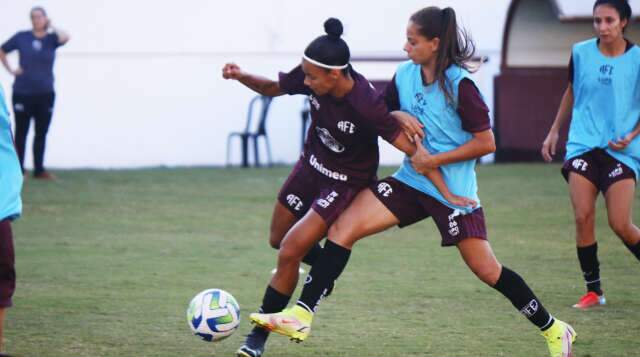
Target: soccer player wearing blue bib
33, 92
340, 158
10, 209
603, 151
434, 87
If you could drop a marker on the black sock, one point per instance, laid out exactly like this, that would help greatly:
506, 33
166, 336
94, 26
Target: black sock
588, 257
635, 249
313, 254
325, 271
513, 287
273, 301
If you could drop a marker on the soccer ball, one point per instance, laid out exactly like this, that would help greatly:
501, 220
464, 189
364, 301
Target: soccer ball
213, 315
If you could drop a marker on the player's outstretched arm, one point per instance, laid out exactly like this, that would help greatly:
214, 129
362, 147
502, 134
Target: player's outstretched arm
261, 85
564, 112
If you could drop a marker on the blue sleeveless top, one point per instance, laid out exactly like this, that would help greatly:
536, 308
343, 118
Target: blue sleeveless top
606, 105
10, 172
443, 131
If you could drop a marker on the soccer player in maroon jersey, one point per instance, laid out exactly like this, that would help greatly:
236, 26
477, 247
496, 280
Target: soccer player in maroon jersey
340, 158
434, 86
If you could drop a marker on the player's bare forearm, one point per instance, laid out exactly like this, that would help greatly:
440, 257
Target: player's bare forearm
261, 85
564, 111
636, 130
481, 144
403, 144
435, 176
63, 36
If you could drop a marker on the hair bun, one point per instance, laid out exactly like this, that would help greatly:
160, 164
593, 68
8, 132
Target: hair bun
333, 27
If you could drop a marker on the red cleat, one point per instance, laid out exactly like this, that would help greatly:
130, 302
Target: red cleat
589, 300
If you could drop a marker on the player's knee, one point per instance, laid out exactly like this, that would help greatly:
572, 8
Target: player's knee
340, 234
275, 238
274, 241
489, 273
621, 227
290, 253
584, 218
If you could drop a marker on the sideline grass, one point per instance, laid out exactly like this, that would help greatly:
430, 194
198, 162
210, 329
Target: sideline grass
108, 260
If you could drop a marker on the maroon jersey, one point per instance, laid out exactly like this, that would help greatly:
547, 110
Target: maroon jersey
342, 142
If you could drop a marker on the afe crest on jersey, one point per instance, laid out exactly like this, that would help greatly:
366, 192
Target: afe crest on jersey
328, 140
346, 126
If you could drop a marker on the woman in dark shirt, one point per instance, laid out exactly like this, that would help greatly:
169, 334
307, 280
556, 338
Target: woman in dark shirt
33, 93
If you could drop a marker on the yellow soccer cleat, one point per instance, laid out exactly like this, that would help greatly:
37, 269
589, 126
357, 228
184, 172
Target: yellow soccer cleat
294, 322
560, 337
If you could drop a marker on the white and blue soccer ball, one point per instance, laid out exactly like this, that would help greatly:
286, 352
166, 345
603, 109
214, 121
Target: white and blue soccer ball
213, 315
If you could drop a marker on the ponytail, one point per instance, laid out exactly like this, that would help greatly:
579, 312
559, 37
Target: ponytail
456, 46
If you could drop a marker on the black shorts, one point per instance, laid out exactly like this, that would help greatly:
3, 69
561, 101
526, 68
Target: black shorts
305, 189
410, 206
597, 166
7, 264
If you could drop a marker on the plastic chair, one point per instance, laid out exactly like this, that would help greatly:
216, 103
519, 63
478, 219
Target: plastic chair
305, 116
258, 108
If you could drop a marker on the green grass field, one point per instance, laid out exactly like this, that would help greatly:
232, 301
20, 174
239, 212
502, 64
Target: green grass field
107, 262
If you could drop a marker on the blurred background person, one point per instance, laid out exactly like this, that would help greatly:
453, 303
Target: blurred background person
601, 100
33, 92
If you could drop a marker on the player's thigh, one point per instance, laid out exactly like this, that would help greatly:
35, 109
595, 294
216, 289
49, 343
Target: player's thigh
294, 201
583, 194
281, 222
303, 235
366, 215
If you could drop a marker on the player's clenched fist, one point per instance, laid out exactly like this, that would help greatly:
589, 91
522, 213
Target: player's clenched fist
231, 71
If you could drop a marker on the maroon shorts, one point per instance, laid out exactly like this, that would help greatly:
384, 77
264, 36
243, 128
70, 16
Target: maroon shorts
410, 206
305, 188
7, 265
597, 166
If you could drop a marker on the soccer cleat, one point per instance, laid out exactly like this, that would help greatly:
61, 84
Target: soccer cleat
254, 344
560, 337
294, 322
590, 299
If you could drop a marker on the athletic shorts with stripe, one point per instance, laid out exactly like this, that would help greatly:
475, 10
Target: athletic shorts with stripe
410, 206
306, 188
597, 166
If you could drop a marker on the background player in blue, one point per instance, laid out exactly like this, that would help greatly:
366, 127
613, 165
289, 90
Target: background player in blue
435, 87
340, 158
33, 91
10, 209
603, 152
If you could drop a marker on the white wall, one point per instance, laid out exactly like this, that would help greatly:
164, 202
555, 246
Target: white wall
139, 84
